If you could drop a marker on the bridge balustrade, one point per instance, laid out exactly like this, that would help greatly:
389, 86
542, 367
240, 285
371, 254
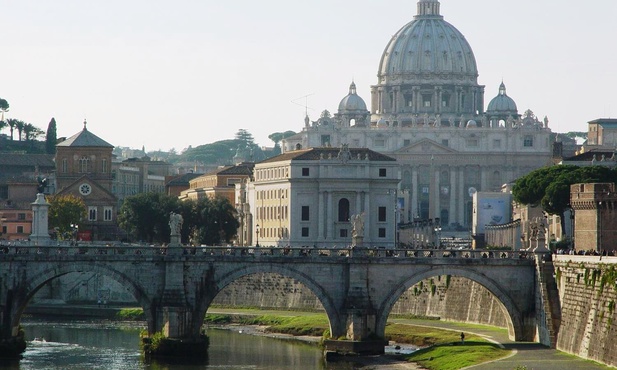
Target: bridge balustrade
137, 250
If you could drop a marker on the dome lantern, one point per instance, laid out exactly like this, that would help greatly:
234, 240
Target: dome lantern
428, 8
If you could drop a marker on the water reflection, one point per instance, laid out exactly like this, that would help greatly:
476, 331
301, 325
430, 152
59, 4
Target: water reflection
83, 345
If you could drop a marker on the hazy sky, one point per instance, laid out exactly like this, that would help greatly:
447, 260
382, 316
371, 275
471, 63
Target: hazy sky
169, 74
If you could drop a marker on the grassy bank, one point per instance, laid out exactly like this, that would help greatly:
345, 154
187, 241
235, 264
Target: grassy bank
445, 350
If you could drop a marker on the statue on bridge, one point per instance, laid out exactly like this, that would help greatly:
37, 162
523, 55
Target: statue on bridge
175, 223
357, 222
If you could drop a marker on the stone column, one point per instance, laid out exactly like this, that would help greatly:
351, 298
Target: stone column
453, 189
329, 219
434, 198
462, 195
414, 193
367, 217
321, 217
358, 202
40, 225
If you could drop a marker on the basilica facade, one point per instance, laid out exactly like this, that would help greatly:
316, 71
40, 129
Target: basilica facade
428, 112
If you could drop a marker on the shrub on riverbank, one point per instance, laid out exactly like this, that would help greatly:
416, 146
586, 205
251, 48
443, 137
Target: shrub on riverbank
131, 314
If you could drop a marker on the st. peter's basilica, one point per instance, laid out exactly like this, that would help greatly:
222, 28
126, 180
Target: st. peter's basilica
427, 112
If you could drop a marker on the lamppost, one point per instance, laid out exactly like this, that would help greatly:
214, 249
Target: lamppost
257, 227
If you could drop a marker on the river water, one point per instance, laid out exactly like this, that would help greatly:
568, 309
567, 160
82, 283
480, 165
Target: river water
115, 346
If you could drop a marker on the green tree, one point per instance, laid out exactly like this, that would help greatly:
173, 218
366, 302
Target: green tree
4, 106
145, 216
51, 137
12, 122
277, 137
31, 132
64, 211
213, 221
19, 125
245, 137
549, 187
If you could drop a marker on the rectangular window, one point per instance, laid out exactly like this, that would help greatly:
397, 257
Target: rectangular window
406, 142
382, 172
472, 143
305, 213
325, 140
20, 229
528, 142
305, 232
91, 213
382, 232
21, 216
381, 214
107, 214
4, 192
65, 165
343, 233
104, 165
380, 143
4, 229
445, 142
305, 171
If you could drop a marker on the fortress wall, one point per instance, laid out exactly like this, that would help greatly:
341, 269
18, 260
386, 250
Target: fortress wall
588, 328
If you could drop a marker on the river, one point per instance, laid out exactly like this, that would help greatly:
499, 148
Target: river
115, 346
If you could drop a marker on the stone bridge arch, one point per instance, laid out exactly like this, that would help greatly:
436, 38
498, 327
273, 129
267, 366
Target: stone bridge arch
32, 285
514, 316
225, 278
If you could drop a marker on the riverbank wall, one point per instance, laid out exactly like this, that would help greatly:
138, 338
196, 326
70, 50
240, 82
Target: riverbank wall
588, 295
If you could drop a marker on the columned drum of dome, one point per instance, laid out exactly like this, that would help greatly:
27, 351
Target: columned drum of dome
428, 72
501, 109
352, 109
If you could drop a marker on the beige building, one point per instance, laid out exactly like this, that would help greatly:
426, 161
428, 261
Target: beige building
595, 218
427, 112
307, 198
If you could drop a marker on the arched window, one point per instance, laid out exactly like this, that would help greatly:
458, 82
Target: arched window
343, 210
298, 146
83, 164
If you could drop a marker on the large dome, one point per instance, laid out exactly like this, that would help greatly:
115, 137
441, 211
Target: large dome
426, 47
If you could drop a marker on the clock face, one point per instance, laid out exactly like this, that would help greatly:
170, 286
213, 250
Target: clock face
85, 189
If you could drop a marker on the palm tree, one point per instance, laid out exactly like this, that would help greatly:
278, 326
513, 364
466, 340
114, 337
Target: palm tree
3, 124
12, 122
31, 132
19, 125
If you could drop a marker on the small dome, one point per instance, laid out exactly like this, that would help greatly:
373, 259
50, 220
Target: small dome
502, 103
352, 103
472, 124
382, 122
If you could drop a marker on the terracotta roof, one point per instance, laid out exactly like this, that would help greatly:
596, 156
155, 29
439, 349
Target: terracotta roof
245, 168
588, 156
19, 160
85, 138
315, 154
182, 180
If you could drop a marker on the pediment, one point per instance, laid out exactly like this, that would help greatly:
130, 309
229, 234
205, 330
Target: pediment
97, 191
426, 146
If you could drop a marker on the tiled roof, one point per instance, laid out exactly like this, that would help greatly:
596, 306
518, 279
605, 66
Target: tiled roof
315, 154
245, 168
588, 156
31, 160
85, 138
182, 180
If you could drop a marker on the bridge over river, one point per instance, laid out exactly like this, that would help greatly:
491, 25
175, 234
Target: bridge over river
357, 287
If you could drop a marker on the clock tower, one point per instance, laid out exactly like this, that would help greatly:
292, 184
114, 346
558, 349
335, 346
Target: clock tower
83, 169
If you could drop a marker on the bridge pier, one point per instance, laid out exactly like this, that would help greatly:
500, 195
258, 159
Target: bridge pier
360, 339
175, 334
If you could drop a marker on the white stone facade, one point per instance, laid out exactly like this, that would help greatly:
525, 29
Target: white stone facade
307, 198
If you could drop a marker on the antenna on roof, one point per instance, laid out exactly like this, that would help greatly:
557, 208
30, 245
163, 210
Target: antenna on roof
305, 105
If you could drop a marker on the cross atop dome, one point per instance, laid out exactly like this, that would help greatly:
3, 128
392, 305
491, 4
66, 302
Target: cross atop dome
428, 8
